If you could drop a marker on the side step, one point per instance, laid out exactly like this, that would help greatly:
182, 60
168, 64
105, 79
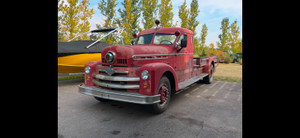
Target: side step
184, 84
70, 74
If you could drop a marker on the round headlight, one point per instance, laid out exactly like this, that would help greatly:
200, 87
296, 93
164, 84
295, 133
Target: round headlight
87, 69
145, 75
110, 57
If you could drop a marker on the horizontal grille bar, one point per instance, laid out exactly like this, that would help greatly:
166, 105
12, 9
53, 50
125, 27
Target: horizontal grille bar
116, 86
115, 78
116, 71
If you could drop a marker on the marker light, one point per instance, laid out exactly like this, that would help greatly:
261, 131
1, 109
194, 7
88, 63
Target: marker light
145, 85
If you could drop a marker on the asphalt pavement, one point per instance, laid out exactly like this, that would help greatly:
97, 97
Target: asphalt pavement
198, 111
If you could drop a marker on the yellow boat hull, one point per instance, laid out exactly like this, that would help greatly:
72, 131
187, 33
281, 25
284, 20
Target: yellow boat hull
76, 63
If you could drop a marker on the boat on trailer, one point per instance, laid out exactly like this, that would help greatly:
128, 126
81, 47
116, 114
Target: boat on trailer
73, 55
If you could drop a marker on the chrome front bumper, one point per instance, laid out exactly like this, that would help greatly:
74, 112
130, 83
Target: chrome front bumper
119, 96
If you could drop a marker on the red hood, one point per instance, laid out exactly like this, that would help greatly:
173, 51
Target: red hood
127, 51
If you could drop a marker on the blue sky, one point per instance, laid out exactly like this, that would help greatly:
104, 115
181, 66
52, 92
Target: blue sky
211, 13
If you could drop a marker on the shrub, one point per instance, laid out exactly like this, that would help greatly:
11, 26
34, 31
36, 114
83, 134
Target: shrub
240, 61
220, 55
228, 58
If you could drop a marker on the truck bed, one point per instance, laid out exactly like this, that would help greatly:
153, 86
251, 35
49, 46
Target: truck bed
198, 72
202, 61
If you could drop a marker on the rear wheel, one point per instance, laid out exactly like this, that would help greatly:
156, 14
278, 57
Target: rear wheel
164, 89
210, 77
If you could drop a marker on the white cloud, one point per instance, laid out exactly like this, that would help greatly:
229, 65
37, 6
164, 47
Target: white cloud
223, 5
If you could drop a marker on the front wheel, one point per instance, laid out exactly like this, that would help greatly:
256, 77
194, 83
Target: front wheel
101, 99
164, 89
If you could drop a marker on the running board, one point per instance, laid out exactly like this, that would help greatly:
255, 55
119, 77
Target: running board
184, 84
70, 74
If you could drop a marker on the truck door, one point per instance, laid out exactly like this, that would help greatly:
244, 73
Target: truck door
184, 60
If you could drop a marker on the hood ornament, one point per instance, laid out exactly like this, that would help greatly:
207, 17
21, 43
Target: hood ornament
110, 71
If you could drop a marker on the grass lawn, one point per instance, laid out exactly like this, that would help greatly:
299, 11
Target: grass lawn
225, 72
228, 72
60, 78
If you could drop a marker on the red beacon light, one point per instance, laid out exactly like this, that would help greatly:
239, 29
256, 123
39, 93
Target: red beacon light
157, 22
177, 33
134, 35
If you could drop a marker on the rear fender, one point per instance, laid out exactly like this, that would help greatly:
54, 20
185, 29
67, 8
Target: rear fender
156, 70
211, 60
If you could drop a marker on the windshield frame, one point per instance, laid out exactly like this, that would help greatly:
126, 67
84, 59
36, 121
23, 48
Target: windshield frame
153, 34
153, 37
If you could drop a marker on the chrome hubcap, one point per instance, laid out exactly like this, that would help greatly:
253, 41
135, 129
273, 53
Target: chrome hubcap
163, 91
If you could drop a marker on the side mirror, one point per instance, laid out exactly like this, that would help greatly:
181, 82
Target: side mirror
132, 42
183, 44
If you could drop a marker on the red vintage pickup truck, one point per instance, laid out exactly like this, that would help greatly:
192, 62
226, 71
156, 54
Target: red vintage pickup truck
159, 63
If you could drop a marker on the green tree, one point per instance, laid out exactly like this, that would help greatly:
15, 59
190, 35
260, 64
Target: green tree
194, 11
224, 37
196, 45
202, 48
165, 13
148, 8
240, 47
234, 37
70, 19
59, 18
129, 19
184, 15
107, 9
85, 15
73, 19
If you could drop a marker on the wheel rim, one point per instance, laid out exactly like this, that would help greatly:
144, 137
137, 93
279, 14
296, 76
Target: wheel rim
164, 92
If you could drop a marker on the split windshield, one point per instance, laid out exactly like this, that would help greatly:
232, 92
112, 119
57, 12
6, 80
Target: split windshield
144, 39
160, 38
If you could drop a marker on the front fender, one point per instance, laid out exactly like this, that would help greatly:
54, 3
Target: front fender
156, 70
92, 64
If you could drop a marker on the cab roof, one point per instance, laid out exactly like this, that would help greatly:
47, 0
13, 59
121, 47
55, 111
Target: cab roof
169, 30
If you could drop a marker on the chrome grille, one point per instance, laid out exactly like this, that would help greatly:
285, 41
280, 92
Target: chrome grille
118, 80
121, 61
